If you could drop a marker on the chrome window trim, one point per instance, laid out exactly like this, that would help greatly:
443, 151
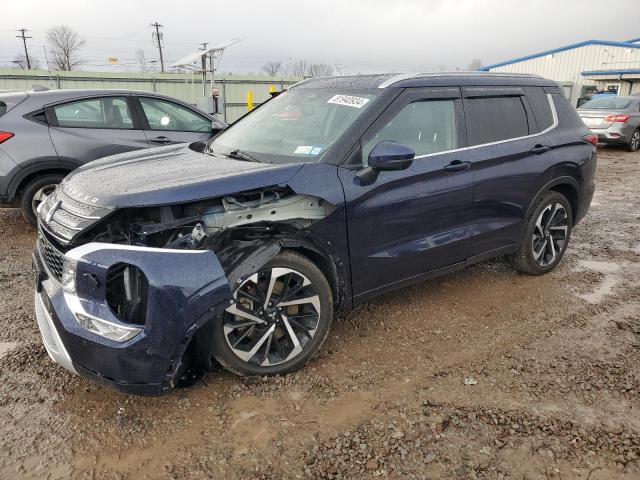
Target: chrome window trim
554, 114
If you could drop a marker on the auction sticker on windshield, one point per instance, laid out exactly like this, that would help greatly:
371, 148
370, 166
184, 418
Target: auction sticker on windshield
348, 100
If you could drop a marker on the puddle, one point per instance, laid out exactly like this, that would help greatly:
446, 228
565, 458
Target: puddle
600, 267
606, 286
6, 347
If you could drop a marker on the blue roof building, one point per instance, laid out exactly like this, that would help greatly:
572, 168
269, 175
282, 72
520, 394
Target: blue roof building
584, 66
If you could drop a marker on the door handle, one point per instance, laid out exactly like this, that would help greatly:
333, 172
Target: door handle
457, 166
161, 139
538, 149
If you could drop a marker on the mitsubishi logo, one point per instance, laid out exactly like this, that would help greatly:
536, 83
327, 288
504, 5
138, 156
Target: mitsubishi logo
52, 211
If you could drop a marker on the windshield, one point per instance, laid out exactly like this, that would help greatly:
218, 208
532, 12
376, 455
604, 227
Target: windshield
606, 103
297, 125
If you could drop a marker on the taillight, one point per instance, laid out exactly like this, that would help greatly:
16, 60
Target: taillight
4, 136
617, 118
592, 138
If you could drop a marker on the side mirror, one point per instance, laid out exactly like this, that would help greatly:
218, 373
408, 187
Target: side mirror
198, 146
391, 156
386, 156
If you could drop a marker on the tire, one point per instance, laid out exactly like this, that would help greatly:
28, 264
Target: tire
31, 193
634, 143
546, 235
246, 347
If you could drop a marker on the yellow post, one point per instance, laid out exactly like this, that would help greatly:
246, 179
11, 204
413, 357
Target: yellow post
249, 100
272, 89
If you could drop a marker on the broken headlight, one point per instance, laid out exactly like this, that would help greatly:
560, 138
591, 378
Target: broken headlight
127, 290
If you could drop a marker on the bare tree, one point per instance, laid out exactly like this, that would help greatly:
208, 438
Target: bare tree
272, 68
319, 70
298, 68
142, 61
475, 64
20, 61
65, 45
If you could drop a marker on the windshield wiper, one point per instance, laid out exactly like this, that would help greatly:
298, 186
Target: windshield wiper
240, 155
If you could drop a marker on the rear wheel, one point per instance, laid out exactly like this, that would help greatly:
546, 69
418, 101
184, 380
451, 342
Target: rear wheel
546, 235
279, 318
35, 192
634, 143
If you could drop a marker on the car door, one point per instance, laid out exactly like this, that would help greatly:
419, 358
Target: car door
407, 223
90, 128
167, 122
510, 159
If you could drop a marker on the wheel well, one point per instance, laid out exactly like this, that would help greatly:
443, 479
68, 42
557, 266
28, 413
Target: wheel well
40, 173
326, 266
570, 193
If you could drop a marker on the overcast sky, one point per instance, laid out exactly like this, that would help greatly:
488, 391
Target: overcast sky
359, 36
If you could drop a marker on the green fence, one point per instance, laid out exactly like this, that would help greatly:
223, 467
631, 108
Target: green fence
185, 86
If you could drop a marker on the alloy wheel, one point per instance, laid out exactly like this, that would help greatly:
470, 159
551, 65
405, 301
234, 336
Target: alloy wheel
40, 197
550, 234
635, 141
274, 316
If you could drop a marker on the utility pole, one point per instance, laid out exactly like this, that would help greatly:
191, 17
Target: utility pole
204, 69
159, 40
24, 41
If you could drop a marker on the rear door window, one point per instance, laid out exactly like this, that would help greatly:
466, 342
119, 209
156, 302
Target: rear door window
104, 112
492, 119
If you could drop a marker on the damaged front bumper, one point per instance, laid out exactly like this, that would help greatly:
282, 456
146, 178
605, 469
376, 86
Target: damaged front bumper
82, 332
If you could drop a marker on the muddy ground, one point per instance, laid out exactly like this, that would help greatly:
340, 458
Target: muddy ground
485, 373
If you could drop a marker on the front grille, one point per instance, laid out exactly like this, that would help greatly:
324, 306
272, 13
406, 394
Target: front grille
65, 217
52, 257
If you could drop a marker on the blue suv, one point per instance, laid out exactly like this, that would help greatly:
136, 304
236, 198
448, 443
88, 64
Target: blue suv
241, 250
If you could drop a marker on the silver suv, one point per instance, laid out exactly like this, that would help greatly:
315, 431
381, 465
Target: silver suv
615, 119
44, 135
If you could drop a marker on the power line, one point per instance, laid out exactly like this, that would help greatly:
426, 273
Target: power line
24, 41
159, 40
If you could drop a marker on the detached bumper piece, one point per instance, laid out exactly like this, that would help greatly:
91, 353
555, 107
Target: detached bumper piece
124, 315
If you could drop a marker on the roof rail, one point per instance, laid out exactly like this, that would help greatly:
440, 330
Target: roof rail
407, 76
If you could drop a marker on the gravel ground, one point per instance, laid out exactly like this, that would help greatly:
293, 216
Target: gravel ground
484, 373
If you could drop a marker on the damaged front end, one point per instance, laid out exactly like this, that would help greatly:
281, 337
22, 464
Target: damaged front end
122, 293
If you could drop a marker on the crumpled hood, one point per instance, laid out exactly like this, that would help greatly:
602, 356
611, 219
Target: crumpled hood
172, 174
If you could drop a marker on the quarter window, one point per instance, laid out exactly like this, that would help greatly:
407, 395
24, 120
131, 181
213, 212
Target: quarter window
491, 119
163, 115
426, 126
107, 112
539, 103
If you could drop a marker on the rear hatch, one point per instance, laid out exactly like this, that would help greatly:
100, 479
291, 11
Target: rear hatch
8, 101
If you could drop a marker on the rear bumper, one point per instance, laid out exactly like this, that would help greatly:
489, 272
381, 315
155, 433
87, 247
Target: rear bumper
186, 290
616, 134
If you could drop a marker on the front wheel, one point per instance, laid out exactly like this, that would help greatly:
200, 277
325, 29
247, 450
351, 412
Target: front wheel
34, 194
546, 235
279, 318
634, 143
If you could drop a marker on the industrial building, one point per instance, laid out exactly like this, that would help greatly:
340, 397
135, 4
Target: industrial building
583, 67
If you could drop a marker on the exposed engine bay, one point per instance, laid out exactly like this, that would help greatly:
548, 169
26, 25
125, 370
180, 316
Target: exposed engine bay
211, 224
